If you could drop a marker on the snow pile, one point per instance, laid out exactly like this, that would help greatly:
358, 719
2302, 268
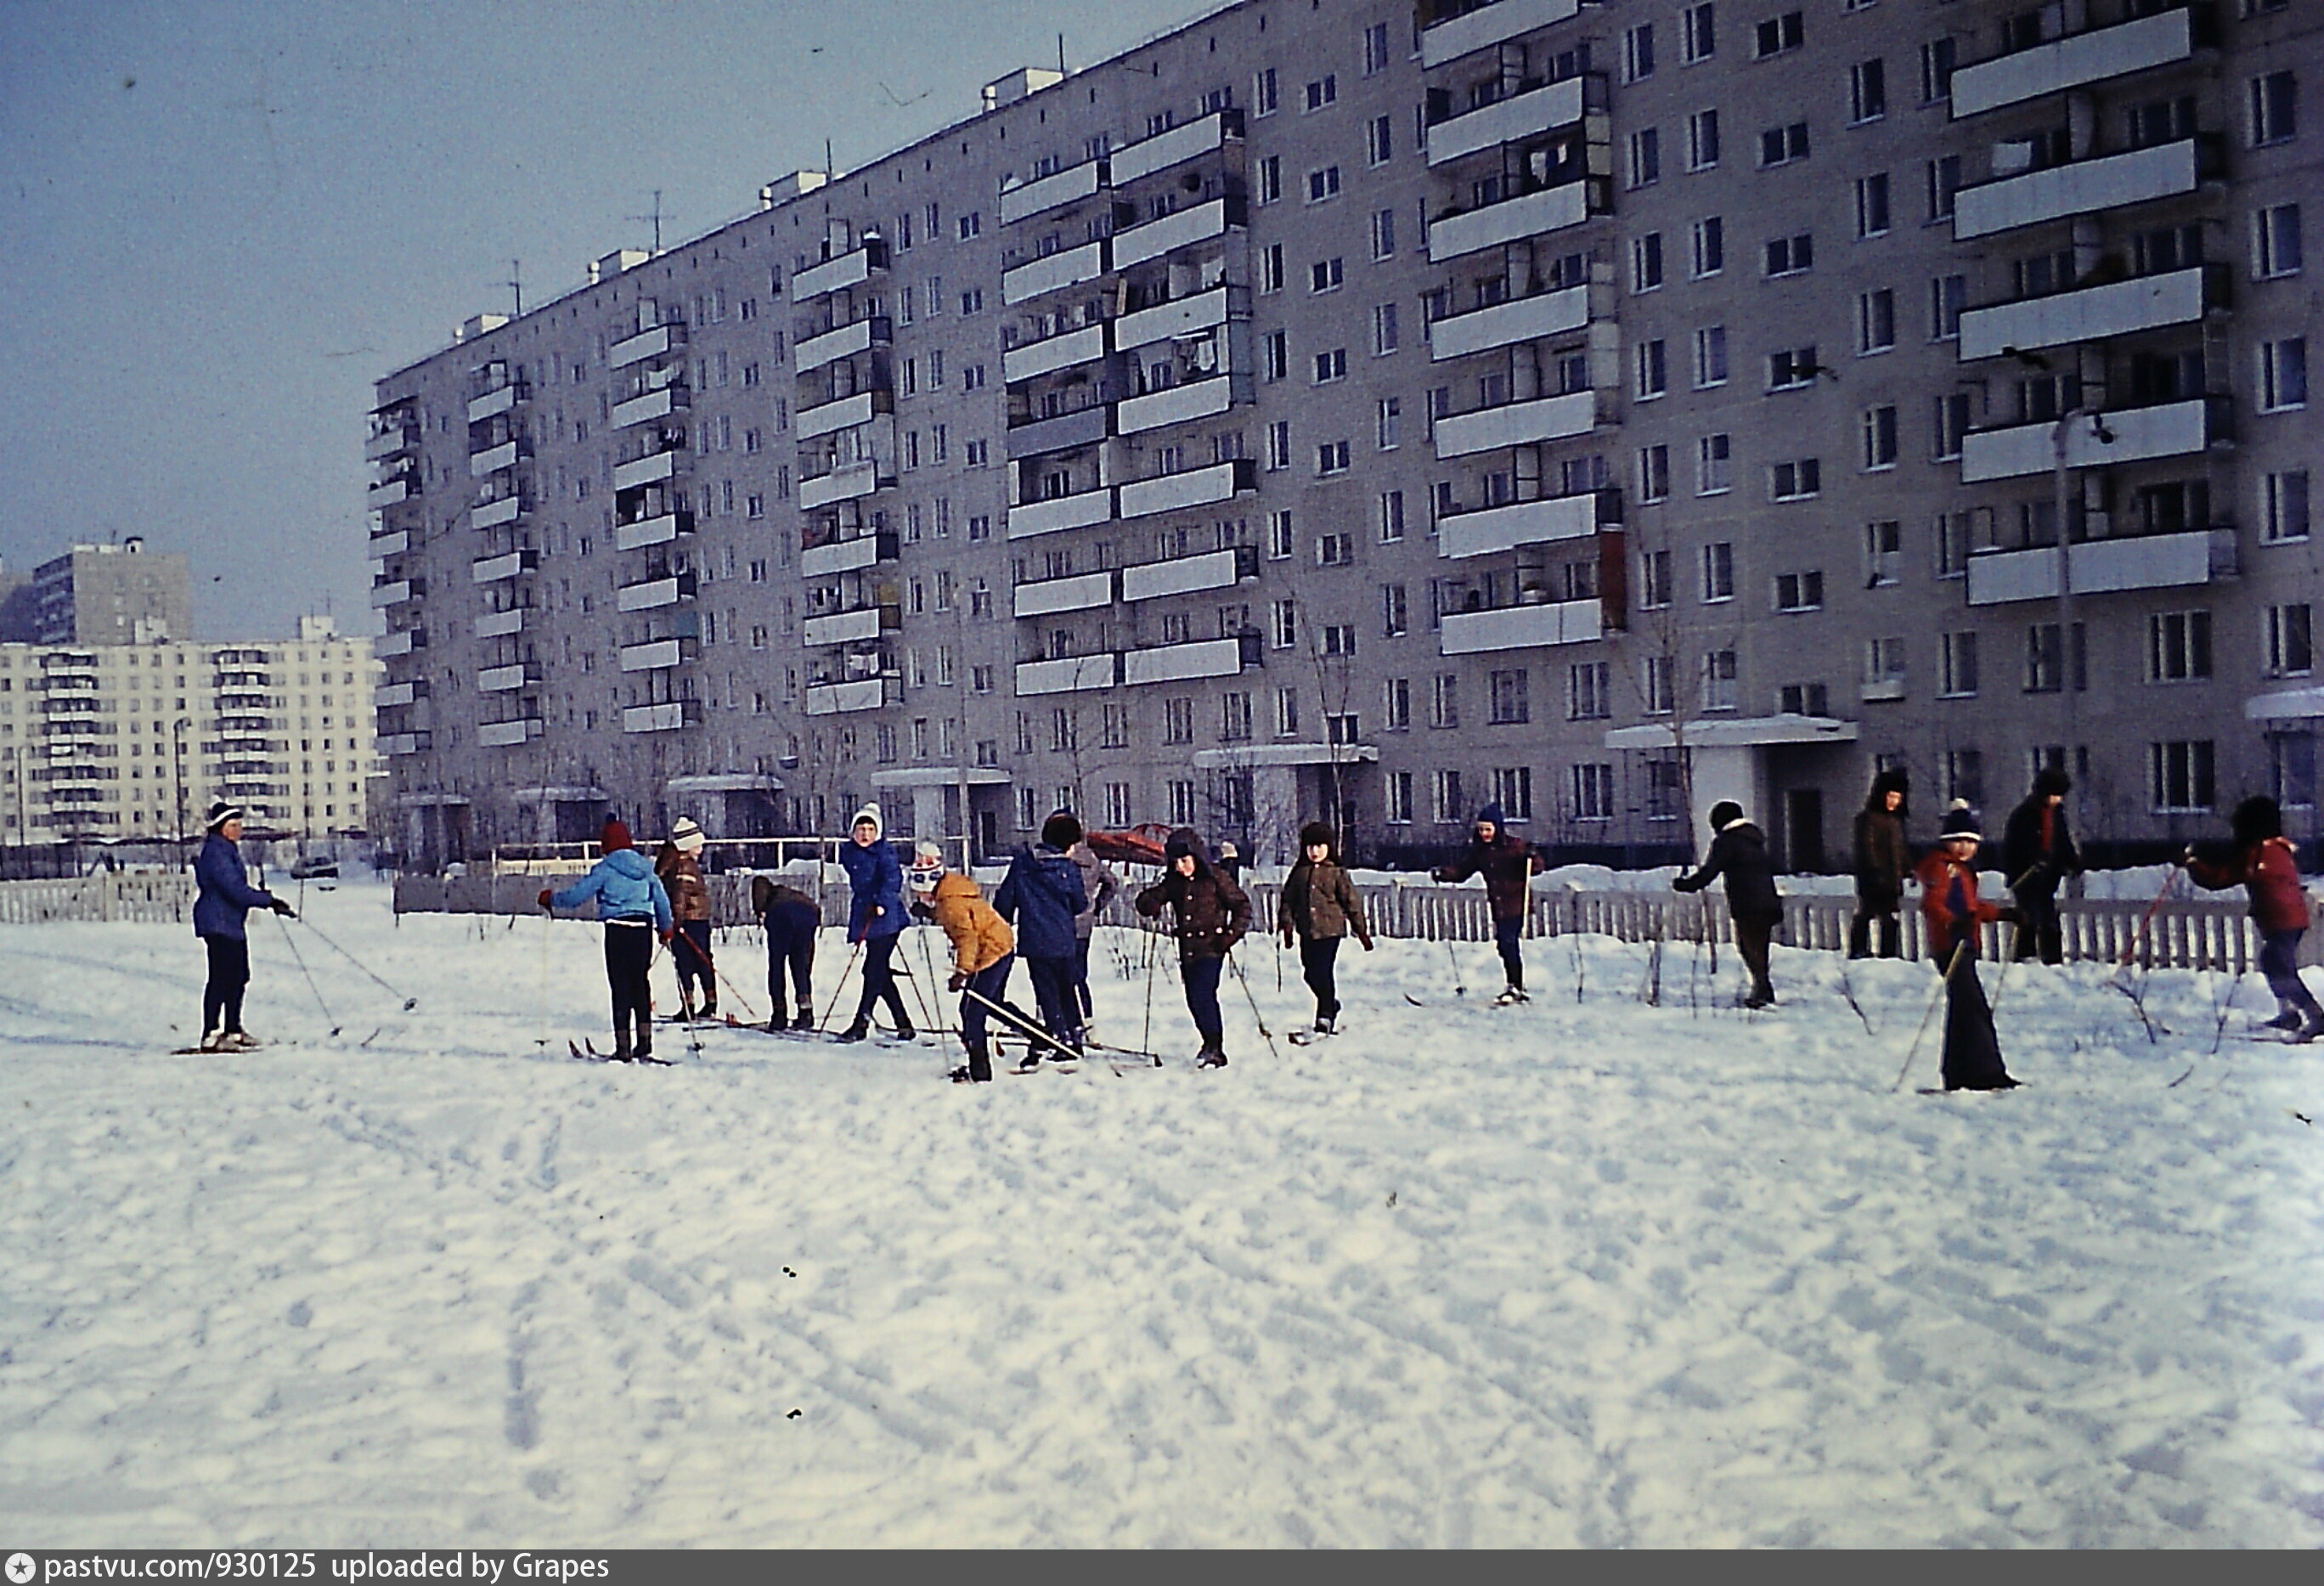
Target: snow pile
1590, 1271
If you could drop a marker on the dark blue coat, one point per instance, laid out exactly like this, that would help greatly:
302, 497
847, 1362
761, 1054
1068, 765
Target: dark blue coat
224, 893
792, 920
878, 881
1040, 896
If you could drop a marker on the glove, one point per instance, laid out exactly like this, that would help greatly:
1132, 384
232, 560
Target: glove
281, 907
668, 938
922, 912
958, 982
544, 898
2187, 858
1367, 942
1290, 939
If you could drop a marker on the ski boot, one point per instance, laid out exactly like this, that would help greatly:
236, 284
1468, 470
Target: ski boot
805, 1022
1511, 997
860, 1030
1210, 1057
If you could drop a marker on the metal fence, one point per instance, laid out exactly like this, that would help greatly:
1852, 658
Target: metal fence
166, 896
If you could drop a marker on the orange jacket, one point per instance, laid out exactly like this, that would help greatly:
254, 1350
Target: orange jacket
979, 938
1937, 872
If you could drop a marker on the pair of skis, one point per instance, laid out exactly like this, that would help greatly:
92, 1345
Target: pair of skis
587, 1052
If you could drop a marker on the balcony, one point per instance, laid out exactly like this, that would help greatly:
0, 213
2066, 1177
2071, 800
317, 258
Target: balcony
649, 469
2094, 313
1483, 26
403, 641
394, 543
508, 565
393, 696
500, 399
509, 735
493, 459
1176, 404
1070, 675
1060, 513
652, 404
1521, 423
1195, 487
1024, 199
865, 622
386, 441
1181, 316
2173, 429
507, 679
665, 717
1053, 353
1522, 627
2078, 60
658, 343
659, 530
829, 417
395, 592
1506, 121
500, 509
1513, 220
2105, 566
387, 491
1064, 432
1080, 592
1213, 569
2082, 187
848, 556
1528, 522
1506, 324
1056, 271
656, 654
1175, 147
1182, 229
499, 624
1176, 663
848, 483
836, 274
829, 699
812, 353
653, 594
396, 744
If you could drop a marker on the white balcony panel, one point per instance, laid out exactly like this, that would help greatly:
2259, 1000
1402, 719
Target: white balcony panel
491, 404
508, 735
400, 642
665, 717
402, 743
1198, 398
390, 695
1067, 267
387, 595
1511, 221
1050, 354
2104, 567
387, 492
493, 460
2070, 62
1173, 663
1024, 199
1522, 627
845, 342
827, 699
1158, 237
2091, 314
845, 556
1213, 569
1182, 316
388, 442
2085, 187
655, 530
1526, 522
652, 404
1065, 511
850, 482
841, 628
1177, 492
646, 344
1506, 324
493, 569
653, 656
500, 625
1082, 592
388, 545
1516, 424
2175, 429
647, 470
1881, 690
831, 275
492, 513
1068, 676
1164, 149
1521, 116
1490, 25
650, 595
501, 680
827, 417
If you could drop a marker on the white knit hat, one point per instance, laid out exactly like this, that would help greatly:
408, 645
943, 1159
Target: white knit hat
686, 836
870, 812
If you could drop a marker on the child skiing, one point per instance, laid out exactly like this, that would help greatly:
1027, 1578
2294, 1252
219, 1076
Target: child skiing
791, 920
2269, 874
1507, 863
634, 906
1041, 897
679, 866
1319, 907
1953, 912
1883, 860
1209, 915
983, 952
1739, 853
223, 896
875, 919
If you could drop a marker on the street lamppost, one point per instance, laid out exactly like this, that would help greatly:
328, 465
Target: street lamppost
178, 774
2067, 657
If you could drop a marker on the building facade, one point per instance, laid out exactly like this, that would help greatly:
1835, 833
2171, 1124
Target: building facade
134, 741
1336, 409
109, 595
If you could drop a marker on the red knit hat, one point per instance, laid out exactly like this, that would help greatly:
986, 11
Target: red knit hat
615, 835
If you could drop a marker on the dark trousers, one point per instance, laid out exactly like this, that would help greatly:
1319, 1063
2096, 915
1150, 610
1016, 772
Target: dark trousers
1055, 994
628, 949
1201, 976
798, 955
992, 984
1875, 916
1081, 979
1754, 938
2278, 961
2040, 931
1972, 1060
691, 953
1316, 957
1506, 933
230, 973
880, 982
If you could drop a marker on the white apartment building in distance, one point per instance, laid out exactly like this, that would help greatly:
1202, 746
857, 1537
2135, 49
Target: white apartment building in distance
1334, 407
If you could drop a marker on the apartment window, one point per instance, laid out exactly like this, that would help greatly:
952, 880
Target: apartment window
1323, 184
1265, 100
2291, 648
1654, 582
1868, 91
1949, 540
1446, 806
1791, 256
1781, 145
1802, 699
1964, 775
2283, 515
1883, 541
1703, 139
1287, 712
2179, 777
2045, 659
1647, 262
1646, 157
1332, 457
1395, 619
1713, 457
1379, 146
1391, 515
1386, 335
1698, 37
1947, 295
1719, 675
1280, 540
971, 225
1331, 365
971, 301
1950, 424
1877, 428
1234, 717
1326, 275
1396, 705
1799, 591
1388, 422
1588, 692
1182, 803
2283, 374
1659, 695
1653, 369
2178, 647
1711, 356
1957, 665
1507, 696
2275, 242
1639, 52
1513, 791
1270, 178
1718, 572
1376, 49
1710, 239
1883, 666
1779, 33
1797, 480
1872, 205
1283, 623
1444, 700
1396, 790
1278, 444
1324, 90
1270, 268
1654, 473
1383, 234
1938, 60
2274, 108
1336, 550
1791, 368
1178, 721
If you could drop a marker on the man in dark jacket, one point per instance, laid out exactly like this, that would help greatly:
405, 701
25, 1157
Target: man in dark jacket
1209, 914
1739, 853
1041, 897
791, 920
1319, 907
224, 897
1508, 865
2038, 852
2264, 866
1883, 860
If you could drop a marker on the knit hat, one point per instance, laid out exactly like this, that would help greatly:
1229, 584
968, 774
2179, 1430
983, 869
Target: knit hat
1725, 813
1181, 843
686, 836
1061, 831
222, 812
870, 812
2051, 779
1315, 832
615, 834
1960, 821
1892, 780
927, 865
2256, 819
1489, 816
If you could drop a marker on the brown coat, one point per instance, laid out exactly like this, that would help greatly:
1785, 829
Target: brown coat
979, 938
1210, 912
681, 876
1321, 900
1883, 858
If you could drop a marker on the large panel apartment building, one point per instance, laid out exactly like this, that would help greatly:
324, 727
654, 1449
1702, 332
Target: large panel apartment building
1329, 401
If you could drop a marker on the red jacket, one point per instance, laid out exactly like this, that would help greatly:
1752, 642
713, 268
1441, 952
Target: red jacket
2267, 871
1938, 872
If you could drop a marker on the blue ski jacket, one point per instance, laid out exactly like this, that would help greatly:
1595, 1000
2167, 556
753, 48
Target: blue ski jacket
625, 887
1040, 896
224, 893
877, 883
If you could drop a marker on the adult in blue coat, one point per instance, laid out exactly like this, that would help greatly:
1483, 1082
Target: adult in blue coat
876, 916
1040, 898
634, 906
222, 898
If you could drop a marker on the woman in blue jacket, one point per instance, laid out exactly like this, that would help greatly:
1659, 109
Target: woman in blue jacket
875, 919
635, 909
223, 896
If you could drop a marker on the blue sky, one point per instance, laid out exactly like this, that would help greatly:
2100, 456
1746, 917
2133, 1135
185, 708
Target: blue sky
223, 221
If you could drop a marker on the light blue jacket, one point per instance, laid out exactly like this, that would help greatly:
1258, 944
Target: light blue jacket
625, 887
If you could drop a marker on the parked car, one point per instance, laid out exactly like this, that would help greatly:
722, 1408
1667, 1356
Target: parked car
309, 867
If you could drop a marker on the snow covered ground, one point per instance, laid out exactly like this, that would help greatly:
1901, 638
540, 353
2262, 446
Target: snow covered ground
1586, 1272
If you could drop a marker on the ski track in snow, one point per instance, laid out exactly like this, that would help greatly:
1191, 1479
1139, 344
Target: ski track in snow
1579, 1273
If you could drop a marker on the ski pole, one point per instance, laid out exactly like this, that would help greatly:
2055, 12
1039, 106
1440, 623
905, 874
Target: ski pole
740, 1001
292, 943
840, 985
1243, 980
1146, 1030
1016, 1020
1459, 988
409, 1003
2145, 920
547, 924
1943, 982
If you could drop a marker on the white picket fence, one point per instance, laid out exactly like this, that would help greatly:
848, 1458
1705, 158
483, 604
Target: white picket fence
166, 896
